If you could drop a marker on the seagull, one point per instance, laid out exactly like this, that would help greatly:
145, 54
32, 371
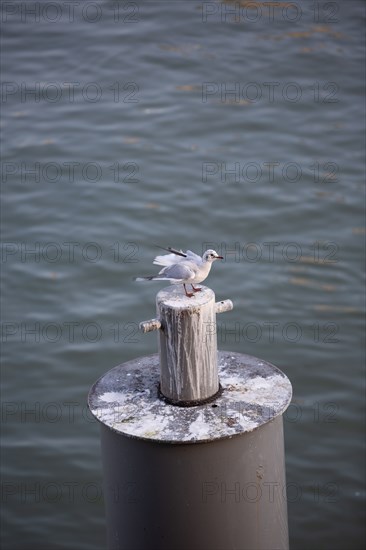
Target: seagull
183, 268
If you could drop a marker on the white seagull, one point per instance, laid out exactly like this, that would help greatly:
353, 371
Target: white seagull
183, 268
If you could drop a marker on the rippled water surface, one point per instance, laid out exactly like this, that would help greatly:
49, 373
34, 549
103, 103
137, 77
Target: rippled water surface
237, 126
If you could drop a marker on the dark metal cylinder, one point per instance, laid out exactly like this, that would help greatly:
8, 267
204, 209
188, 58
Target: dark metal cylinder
225, 494
205, 477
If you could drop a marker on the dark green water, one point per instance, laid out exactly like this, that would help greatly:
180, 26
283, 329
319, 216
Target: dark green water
233, 126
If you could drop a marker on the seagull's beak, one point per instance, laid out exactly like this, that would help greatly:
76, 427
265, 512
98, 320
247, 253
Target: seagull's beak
219, 257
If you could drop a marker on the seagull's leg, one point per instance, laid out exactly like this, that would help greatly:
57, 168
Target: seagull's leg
189, 294
196, 289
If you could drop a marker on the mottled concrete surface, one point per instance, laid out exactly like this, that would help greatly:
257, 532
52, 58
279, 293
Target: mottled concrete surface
126, 400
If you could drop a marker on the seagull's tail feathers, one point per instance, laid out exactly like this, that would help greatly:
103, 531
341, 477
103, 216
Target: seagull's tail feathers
156, 278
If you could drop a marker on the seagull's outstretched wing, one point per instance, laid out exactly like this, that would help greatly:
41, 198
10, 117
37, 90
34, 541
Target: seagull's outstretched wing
174, 257
167, 259
176, 252
172, 250
179, 272
194, 257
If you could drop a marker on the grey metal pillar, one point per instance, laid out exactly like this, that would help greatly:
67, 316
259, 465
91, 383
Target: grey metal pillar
210, 476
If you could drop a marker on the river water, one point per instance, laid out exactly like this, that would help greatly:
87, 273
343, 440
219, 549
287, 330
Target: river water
237, 126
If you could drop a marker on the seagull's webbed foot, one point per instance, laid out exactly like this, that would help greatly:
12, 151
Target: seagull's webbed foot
196, 289
188, 294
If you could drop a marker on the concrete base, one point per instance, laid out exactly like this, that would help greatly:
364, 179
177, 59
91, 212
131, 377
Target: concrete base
126, 399
208, 477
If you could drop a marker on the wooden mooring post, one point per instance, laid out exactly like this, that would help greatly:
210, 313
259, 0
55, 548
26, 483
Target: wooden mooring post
192, 439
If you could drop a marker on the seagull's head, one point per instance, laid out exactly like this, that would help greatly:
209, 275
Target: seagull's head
211, 256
